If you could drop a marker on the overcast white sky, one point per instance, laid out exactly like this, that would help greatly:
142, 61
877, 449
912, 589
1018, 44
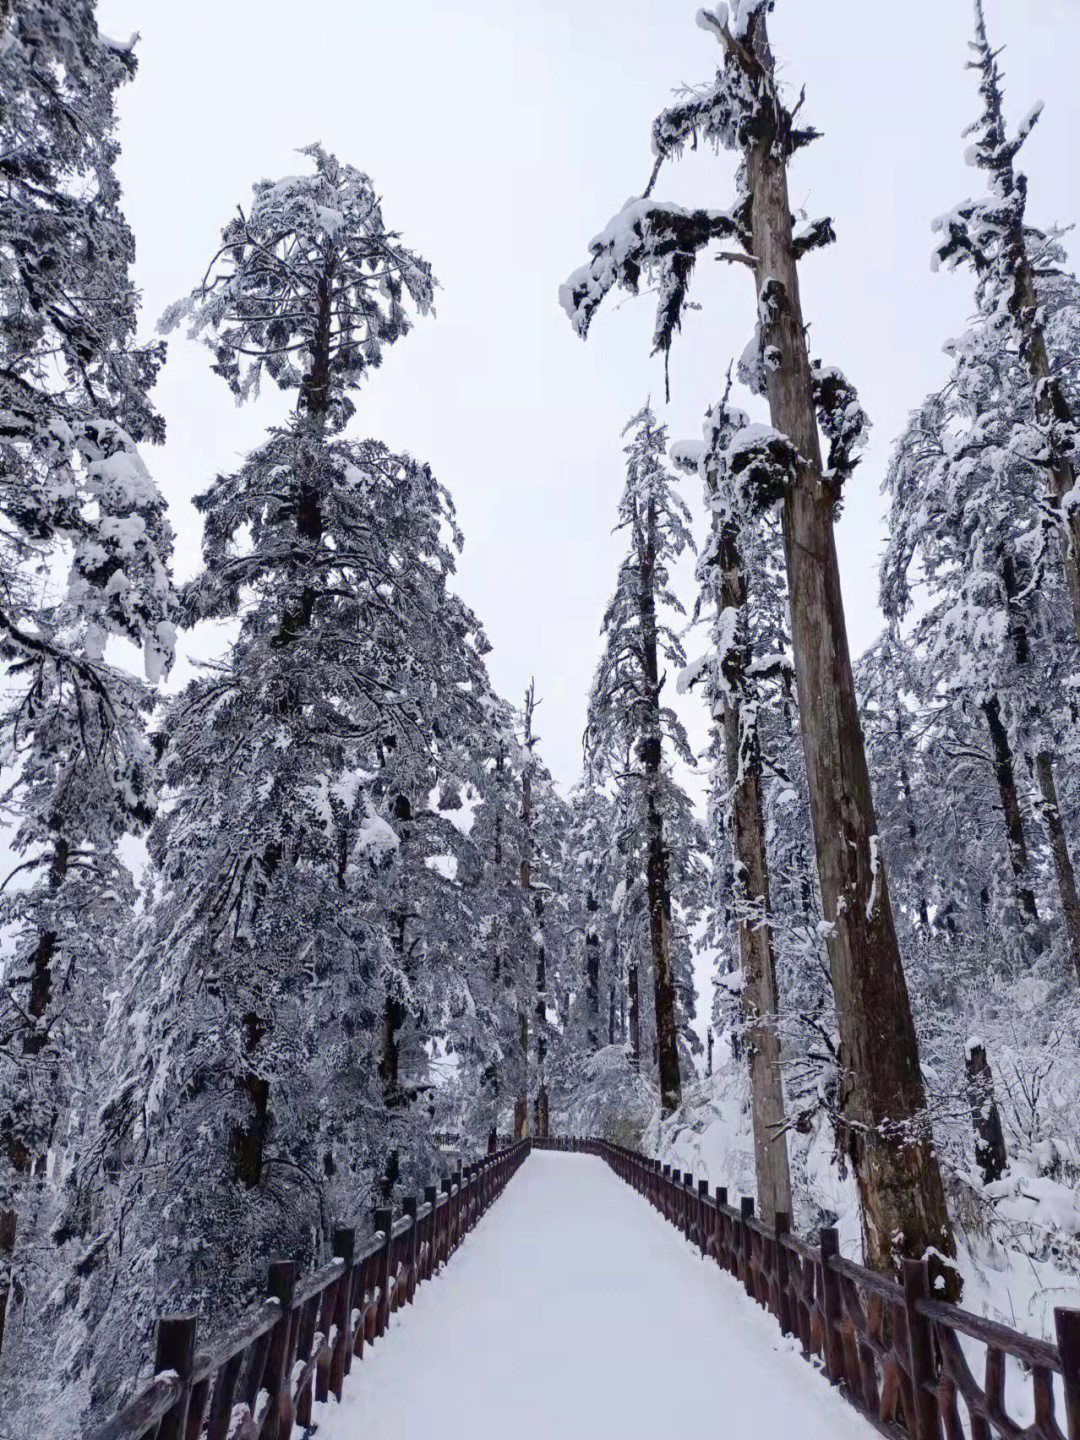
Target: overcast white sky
502, 135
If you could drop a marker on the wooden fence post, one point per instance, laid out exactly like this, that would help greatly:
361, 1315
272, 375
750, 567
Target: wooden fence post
341, 1358
176, 1351
831, 1306
746, 1244
410, 1205
281, 1284
781, 1226
431, 1197
448, 1215
1067, 1323
384, 1221
217, 1421
921, 1352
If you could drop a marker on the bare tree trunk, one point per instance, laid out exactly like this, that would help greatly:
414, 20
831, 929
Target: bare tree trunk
912, 827
542, 1112
521, 1109
990, 1153
1059, 846
247, 1141
742, 758
760, 998
656, 872
1044, 774
24, 1150
394, 1012
1005, 774
635, 1018
592, 978
890, 1142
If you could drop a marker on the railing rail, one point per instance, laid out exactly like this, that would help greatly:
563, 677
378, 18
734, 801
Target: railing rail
894, 1351
259, 1381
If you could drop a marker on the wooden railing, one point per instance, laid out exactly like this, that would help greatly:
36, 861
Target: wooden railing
259, 1381
897, 1354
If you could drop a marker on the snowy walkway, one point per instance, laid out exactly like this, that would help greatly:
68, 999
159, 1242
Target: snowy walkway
574, 1312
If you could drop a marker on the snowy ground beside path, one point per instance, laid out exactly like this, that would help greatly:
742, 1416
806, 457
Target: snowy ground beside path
574, 1312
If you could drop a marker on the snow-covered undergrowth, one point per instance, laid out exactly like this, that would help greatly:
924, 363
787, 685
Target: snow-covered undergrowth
1018, 1238
612, 1102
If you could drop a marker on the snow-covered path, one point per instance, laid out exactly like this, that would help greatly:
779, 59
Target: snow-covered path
574, 1312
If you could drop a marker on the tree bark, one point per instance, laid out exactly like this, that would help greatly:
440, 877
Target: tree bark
990, 1154
760, 998
761, 1003
901, 1192
1005, 774
19, 1137
247, 1141
394, 1013
1044, 774
909, 813
592, 978
521, 1109
656, 870
1059, 848
635, 1017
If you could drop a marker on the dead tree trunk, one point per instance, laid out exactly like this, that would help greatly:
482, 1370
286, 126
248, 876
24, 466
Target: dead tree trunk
247, 1141
592, 975
1059, 848
656, 868
990, 1154
1044, 774
909, 813
891, 1146
521, 1108
635, 1017
1005, 774
742, 758
760, 998
394, 1012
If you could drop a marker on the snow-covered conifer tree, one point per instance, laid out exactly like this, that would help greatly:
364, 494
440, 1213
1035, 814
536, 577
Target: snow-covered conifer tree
281, 952
980, 483
84, 564
741, 575
1020, 287
626, 714
593, 864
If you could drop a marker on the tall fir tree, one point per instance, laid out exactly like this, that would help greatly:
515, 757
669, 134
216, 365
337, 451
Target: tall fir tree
84, 564
1018, 268
741, 578
280, 956
890, 1143
627, 718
